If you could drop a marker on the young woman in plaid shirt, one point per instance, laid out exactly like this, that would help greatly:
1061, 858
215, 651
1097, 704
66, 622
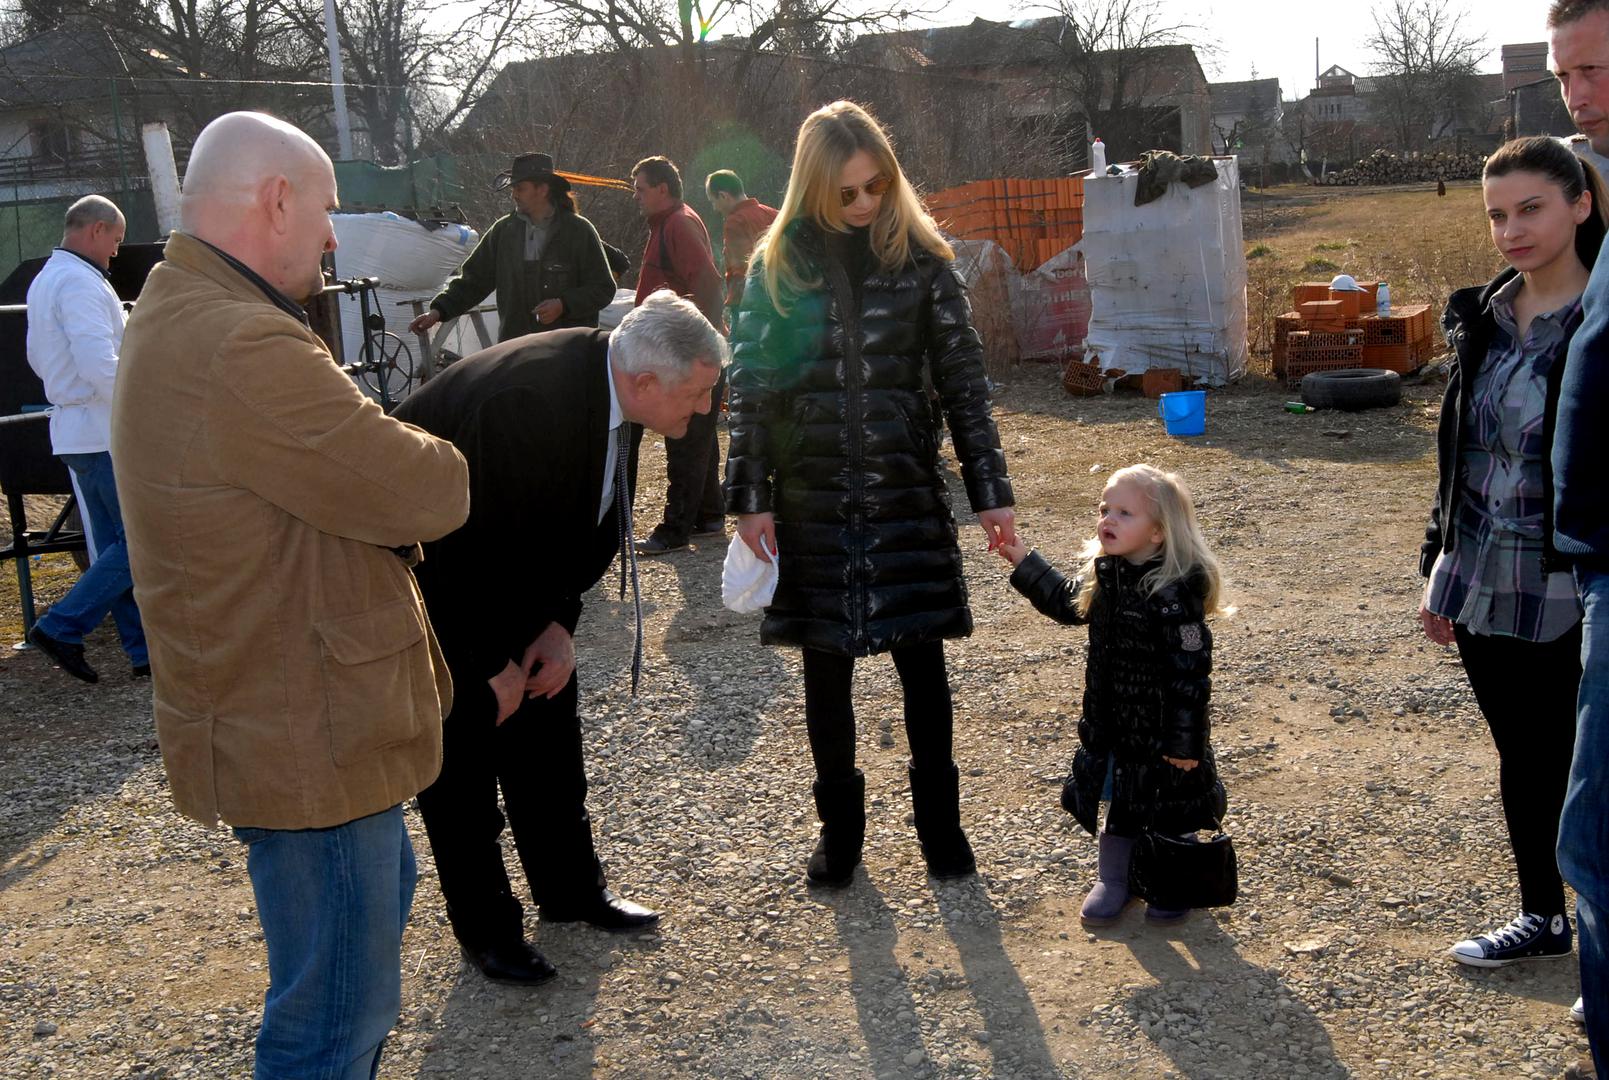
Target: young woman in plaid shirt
1495, 586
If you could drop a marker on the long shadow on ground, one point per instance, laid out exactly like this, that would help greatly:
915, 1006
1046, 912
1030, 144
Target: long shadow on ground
1215, 1014
43, 713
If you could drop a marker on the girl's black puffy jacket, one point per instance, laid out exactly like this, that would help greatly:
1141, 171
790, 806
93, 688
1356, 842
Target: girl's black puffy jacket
1146, 687
831, 431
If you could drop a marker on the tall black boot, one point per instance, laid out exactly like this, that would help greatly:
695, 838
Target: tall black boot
841, 805
936, 797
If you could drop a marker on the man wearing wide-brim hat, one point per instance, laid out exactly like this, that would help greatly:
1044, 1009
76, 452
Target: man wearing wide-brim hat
544, 260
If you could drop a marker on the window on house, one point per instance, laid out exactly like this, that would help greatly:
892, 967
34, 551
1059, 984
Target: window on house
51, 140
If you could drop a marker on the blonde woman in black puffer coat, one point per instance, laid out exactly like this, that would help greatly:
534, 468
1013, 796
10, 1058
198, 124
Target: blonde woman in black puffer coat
850, 308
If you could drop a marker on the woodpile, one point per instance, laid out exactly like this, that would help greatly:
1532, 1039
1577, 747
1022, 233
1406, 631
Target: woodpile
1384, 167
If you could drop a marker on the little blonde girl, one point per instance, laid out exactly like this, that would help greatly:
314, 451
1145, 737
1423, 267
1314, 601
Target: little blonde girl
1147, 584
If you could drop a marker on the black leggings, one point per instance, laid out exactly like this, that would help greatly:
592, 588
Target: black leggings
830, 713
1527, 692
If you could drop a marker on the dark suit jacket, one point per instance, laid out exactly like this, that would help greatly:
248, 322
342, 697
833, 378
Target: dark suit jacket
531, 417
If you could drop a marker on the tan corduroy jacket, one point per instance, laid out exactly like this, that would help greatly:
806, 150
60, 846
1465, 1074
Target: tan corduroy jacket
297, 680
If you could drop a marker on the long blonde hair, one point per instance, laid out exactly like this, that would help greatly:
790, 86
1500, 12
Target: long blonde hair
1184, 548
828, 138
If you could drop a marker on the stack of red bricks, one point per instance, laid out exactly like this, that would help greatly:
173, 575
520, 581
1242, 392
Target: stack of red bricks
1034, 220
1330, 330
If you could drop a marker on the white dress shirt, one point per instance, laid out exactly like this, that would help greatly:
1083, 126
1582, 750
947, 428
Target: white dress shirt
75, 328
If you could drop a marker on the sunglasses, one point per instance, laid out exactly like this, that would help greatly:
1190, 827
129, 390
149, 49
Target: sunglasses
875, 187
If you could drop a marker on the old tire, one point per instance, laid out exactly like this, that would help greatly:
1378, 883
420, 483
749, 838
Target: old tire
1352, 388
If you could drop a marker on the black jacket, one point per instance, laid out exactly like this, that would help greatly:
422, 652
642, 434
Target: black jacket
1146, 687
1581, 484
531, 417
831, 430
573, 268
1470, 326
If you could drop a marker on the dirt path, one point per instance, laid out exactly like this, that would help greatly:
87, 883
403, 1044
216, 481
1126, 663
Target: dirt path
1363, 801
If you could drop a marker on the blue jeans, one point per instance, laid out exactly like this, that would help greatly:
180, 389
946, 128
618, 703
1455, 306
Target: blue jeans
107, 586
1584, 825
333, 903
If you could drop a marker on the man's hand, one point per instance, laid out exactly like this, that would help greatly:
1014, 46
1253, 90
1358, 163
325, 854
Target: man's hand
548, 311
753, 527
425, 322
554, 651
508, 685
1000, 526
1437, 628
1182, 763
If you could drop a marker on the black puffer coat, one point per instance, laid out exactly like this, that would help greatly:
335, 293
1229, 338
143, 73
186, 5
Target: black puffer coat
1145, 697
832, 432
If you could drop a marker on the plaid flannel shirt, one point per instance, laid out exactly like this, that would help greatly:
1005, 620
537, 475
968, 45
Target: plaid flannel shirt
1491, 580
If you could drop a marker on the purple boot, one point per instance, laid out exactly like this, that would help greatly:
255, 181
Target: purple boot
1105, 902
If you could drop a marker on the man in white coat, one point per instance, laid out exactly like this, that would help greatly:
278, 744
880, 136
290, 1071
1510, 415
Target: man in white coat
75, 328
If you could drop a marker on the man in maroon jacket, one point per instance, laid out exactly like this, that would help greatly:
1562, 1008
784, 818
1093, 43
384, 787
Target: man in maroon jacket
678, 257
747, 219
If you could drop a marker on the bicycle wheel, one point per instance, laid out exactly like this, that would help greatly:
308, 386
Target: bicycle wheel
392, 369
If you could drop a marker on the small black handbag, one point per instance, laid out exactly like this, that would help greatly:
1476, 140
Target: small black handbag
1176, 873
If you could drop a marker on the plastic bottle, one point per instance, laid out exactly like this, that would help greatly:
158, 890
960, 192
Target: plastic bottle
1097, 157
1382, 302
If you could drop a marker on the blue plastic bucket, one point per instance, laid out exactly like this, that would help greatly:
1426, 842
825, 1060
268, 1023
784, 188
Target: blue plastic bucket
1183, 412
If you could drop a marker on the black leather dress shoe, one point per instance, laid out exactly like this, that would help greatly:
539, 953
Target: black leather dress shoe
660, 545
67, 655
515, 965
606, 911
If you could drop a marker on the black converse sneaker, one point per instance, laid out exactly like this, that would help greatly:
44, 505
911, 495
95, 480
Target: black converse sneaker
1528, 937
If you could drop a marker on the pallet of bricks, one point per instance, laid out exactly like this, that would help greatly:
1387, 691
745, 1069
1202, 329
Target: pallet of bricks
1330, 331
1033, 220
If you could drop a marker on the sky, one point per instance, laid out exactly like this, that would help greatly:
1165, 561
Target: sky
1276, 36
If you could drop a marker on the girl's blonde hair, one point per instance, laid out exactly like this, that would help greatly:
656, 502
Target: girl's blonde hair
1184, 548
828, 138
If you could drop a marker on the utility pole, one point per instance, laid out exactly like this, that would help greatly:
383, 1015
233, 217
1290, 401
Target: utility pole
343, 126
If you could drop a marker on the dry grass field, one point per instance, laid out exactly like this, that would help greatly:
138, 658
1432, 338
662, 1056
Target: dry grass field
1424, 246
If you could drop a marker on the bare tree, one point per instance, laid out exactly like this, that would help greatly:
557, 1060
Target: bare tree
198, 59
414, 69
659, 42
1251, 130
1296, 128
104, 67
1425, 69
1317, 142
1114, 65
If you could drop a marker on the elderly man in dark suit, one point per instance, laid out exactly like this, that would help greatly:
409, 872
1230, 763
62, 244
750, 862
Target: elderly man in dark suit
546, 424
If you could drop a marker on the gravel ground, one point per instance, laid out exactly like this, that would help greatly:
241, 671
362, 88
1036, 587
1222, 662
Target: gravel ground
1362, 798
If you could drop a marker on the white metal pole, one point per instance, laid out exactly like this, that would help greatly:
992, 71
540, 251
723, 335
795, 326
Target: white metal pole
343, 126
164, 176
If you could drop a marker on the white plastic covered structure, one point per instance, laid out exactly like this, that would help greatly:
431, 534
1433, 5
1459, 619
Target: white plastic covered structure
1168, 279
412, 262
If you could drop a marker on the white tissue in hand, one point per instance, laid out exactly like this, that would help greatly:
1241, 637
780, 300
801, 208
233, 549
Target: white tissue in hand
747, 582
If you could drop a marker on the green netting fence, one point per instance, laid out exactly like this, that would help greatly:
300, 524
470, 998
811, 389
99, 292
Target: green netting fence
31, 229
